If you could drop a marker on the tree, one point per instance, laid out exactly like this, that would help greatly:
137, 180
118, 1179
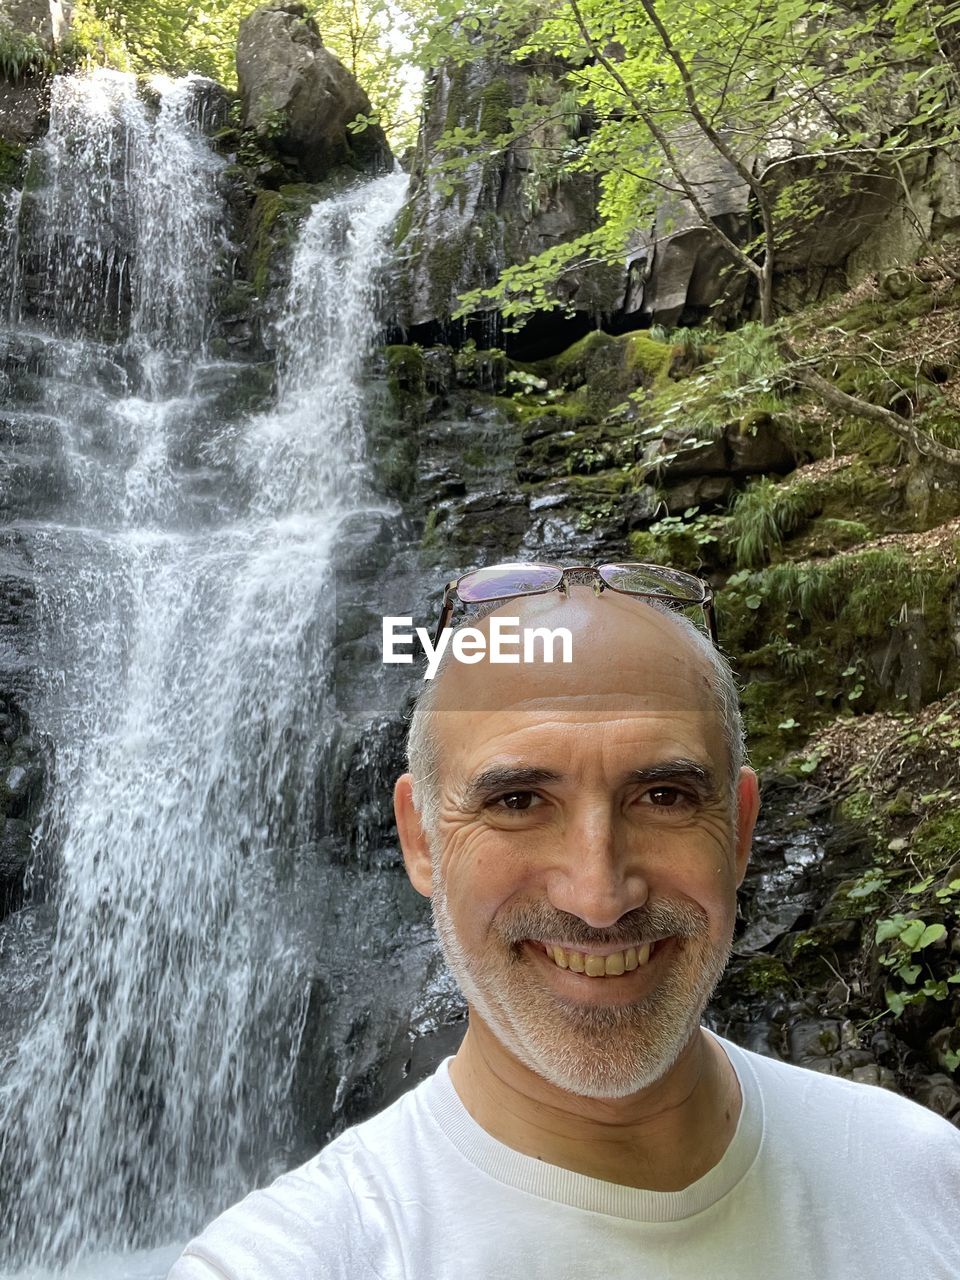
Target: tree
179, 36
796, 104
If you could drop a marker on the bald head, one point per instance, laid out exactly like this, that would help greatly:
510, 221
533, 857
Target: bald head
627, 655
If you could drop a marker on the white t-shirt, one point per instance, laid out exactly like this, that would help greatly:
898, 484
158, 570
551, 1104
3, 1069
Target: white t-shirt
823, 1180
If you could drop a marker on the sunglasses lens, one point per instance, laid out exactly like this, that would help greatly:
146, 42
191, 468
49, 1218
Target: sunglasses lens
650, 579
501, 580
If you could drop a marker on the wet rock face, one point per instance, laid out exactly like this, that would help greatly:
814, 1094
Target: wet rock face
297, 93
23, 111
21, 787
500, 210
795, 987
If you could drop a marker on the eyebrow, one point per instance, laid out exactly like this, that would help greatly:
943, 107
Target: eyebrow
505, 778
692, 772
520, 778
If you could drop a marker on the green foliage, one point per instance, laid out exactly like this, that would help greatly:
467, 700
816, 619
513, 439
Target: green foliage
762, 514
645, 90
689, 539
174, 37
905, 942
22, 54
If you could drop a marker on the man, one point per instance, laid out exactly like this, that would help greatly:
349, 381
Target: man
582, 829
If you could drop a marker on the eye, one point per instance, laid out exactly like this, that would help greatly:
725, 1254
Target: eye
667, 797
514, 801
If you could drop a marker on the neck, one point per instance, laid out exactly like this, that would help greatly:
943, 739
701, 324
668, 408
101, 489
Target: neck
662, 1138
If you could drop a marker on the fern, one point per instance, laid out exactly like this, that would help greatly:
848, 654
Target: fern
763, 515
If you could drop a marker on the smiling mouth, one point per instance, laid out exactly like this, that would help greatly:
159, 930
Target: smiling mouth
592, 965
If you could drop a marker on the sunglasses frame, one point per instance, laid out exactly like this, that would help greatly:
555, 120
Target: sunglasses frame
451, 590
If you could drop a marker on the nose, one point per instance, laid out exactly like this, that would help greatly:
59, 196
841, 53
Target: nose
598, 872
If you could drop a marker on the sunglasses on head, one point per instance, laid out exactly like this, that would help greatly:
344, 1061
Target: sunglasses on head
520, 578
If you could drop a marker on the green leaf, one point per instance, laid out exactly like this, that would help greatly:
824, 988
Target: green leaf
895, 1002
911, 934
932, 933
925, 883
887, 929
753, 602
909, 973
866, 889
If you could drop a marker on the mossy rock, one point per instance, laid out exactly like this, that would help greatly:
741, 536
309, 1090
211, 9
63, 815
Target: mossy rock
11, 162
763, 975
445, 270
603, 369
262, 238
539, 417
646, 358
935, 844
496, 99
403, 224
486, 370
406, 379
827, 535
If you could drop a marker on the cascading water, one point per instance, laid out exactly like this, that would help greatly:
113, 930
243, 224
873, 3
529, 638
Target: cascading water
182, 565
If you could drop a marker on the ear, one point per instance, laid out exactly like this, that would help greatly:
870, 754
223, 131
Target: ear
748, 806
413, 841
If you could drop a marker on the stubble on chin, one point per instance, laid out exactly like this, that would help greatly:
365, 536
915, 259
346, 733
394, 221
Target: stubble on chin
588, 1050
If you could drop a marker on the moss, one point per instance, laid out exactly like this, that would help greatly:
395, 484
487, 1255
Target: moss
444, 270
495, 103
764, 974
406, 379
267, 208
539, 418
646, 358
403, 224
457, 104
645, 546
858, 808
935, 843
431, 537
602, 369
593, 357
827, 535
11, 162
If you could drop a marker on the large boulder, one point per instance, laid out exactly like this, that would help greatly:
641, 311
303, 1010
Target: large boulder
297, 94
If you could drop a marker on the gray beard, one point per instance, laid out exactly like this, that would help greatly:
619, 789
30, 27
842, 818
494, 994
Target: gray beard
594, 1052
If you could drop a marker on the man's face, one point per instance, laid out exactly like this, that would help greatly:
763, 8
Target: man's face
586, 858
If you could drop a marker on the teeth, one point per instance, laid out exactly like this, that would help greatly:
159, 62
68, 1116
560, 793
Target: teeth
594, 966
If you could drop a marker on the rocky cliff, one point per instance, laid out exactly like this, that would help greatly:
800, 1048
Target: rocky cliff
464, 224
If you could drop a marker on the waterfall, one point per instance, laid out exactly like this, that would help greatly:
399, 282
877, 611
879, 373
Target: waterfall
183, 565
